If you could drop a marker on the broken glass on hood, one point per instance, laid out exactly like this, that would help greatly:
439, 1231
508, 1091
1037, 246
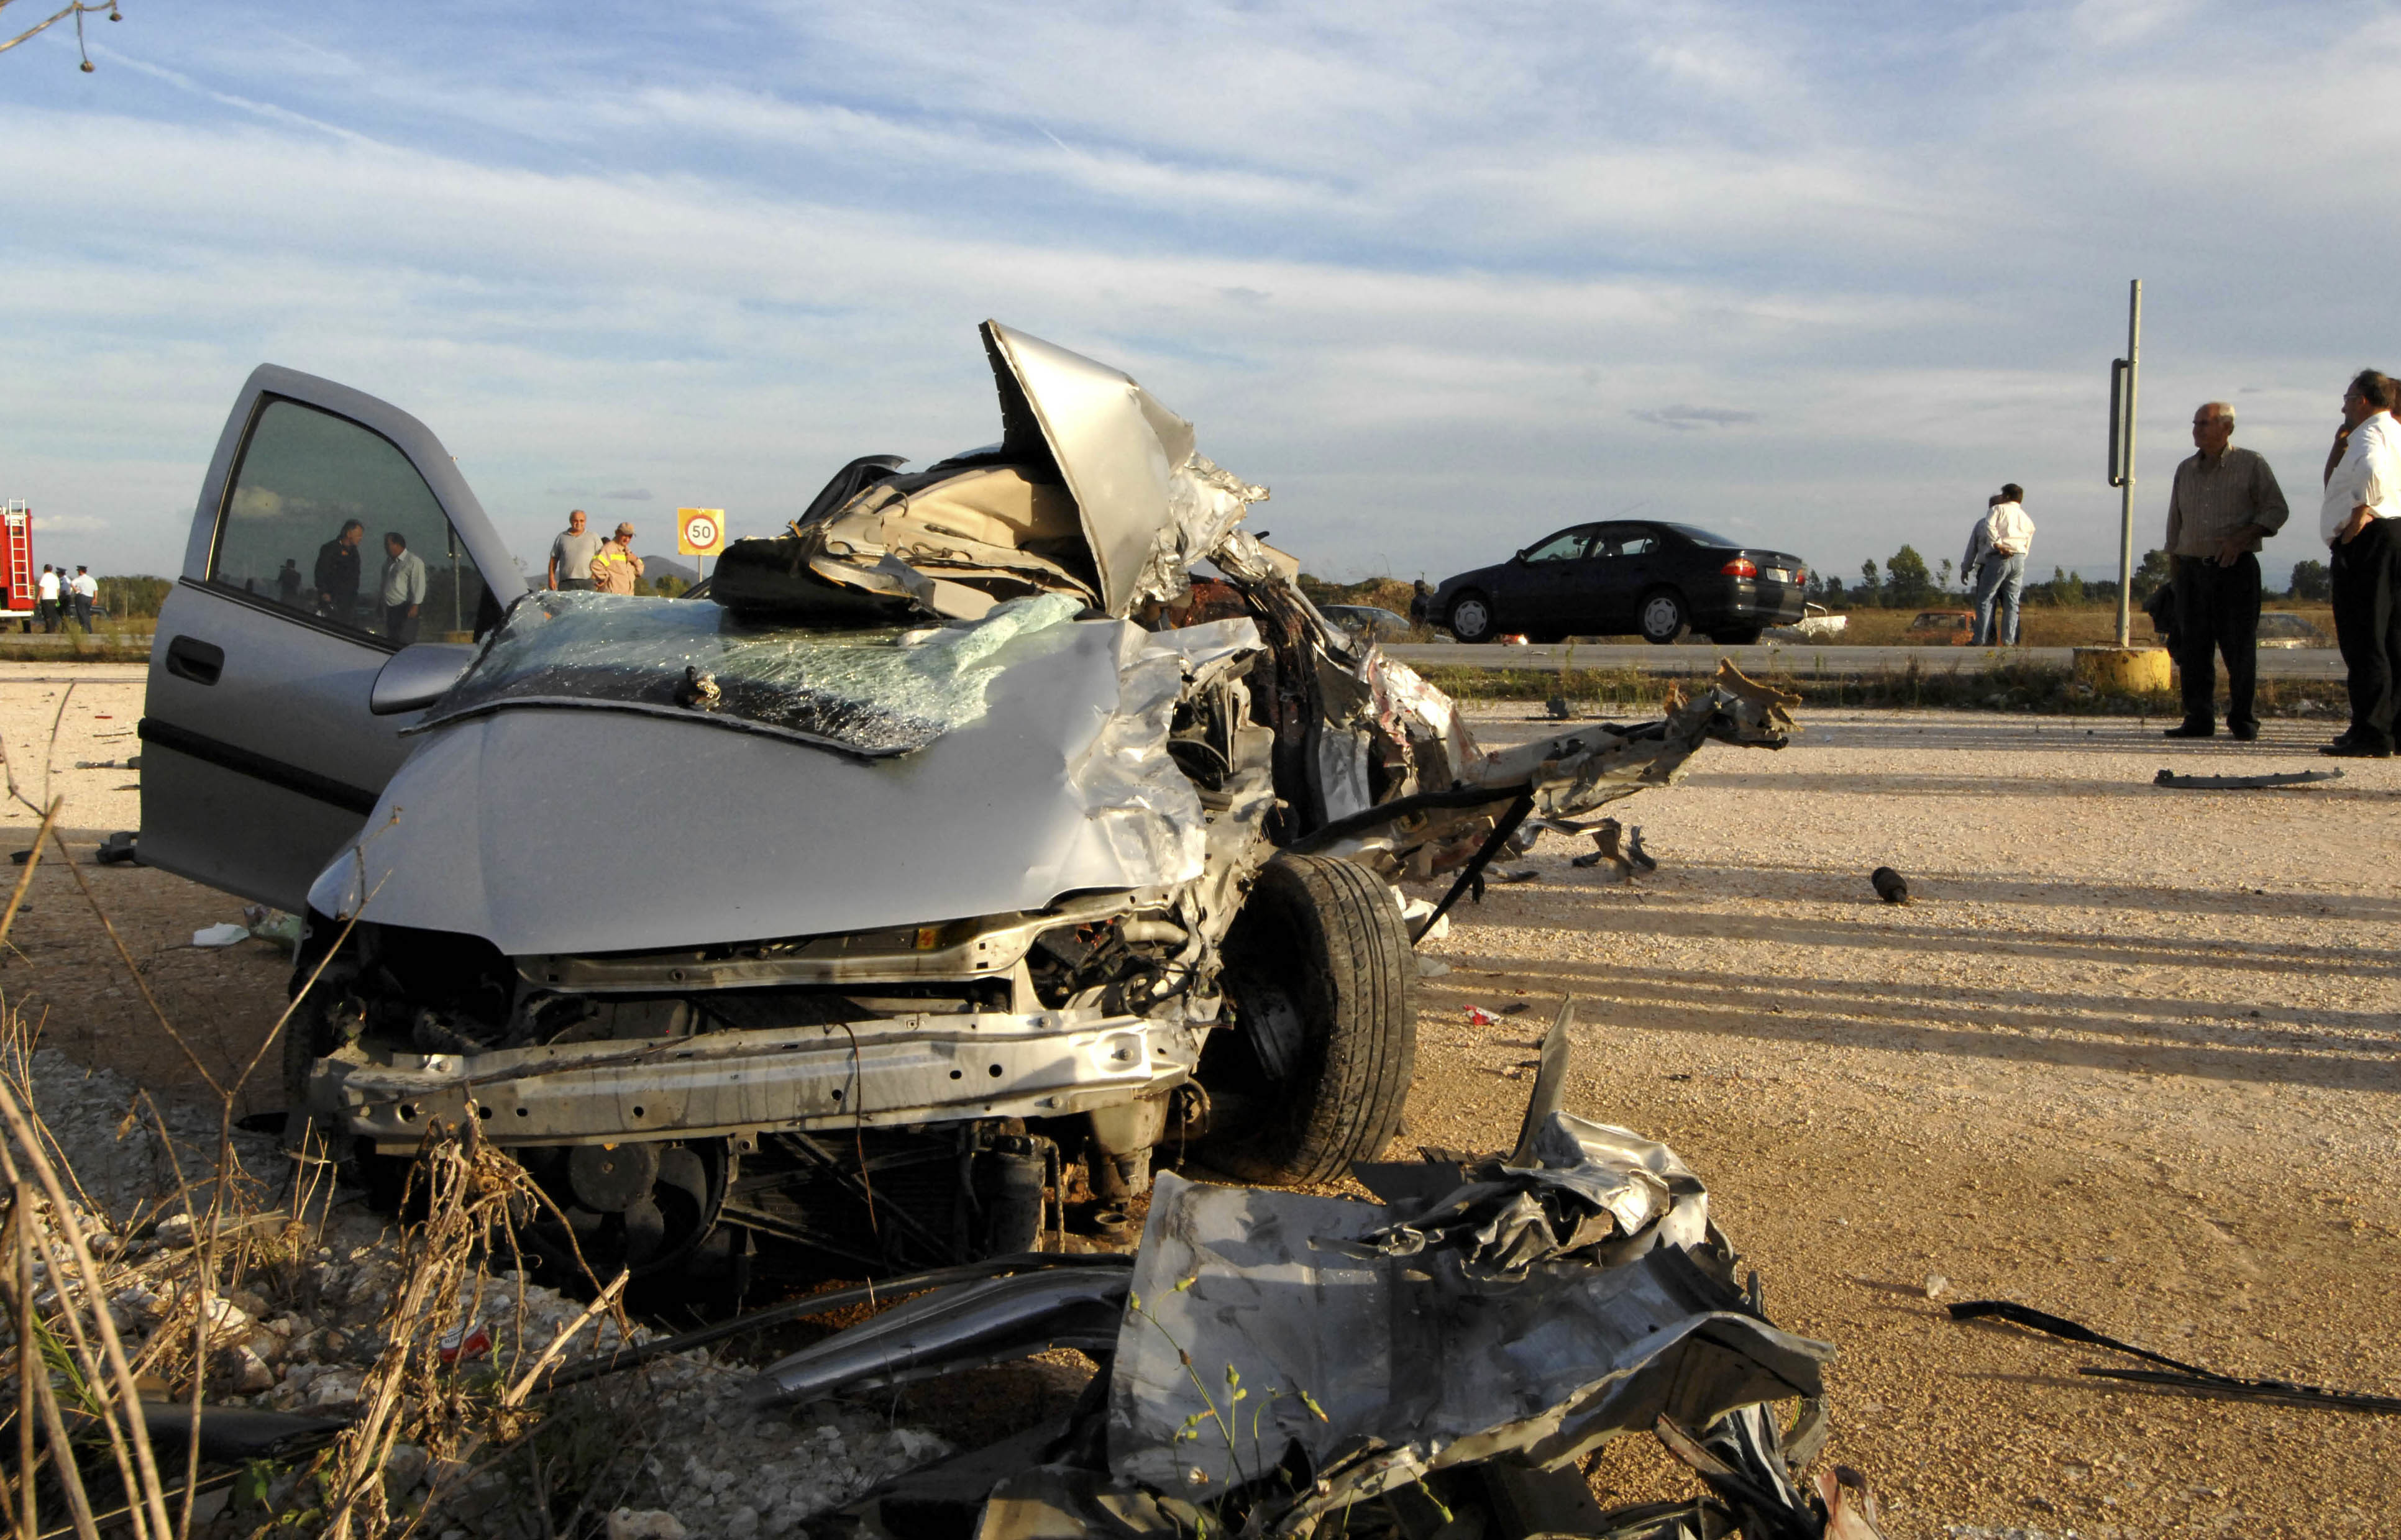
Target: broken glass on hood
877, 692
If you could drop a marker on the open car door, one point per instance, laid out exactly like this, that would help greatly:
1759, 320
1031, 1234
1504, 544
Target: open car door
263, 747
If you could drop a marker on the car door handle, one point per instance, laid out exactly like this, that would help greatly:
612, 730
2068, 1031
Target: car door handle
189, 657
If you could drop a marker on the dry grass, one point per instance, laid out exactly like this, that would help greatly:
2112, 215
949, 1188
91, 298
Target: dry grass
68, 1270
2040, 625
107, 646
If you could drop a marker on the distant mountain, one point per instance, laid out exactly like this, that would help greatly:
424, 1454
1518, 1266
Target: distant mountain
655, 567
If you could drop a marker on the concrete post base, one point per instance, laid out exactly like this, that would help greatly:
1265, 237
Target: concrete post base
2130, 671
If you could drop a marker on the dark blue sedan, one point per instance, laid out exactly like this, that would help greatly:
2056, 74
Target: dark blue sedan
1665, 580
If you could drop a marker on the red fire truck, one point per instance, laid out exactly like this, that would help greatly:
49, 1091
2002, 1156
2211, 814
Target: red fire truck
17, 578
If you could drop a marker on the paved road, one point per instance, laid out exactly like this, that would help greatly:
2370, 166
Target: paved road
1827, 661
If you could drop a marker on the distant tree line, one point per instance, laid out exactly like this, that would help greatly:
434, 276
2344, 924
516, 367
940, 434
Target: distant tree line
133, 598
1905, 582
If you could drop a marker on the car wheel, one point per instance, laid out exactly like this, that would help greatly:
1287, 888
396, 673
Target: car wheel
1664, 617
1471, 618
1324, 986
1739, 636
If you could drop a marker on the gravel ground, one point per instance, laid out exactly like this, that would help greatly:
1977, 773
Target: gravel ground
2129, 1057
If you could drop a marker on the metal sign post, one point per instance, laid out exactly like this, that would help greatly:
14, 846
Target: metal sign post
2123, 376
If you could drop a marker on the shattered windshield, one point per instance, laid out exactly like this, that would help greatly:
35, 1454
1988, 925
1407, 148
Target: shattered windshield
872, 692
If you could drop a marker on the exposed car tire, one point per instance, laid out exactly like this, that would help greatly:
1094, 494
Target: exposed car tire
1325, 985
1664, 618
1471, 618
1739, 636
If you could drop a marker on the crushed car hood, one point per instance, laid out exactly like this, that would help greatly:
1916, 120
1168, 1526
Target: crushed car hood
1150, 504
548, 829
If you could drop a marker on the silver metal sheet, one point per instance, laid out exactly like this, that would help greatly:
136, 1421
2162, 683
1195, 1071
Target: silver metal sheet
1408, 1365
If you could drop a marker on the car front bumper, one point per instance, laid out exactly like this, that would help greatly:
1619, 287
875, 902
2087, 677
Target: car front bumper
902, 1071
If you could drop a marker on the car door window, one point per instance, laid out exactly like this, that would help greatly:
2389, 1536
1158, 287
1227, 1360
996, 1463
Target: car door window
1636, 545
1565, 547
307, 524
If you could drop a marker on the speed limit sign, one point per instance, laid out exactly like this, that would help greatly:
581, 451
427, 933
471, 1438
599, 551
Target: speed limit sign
700, 531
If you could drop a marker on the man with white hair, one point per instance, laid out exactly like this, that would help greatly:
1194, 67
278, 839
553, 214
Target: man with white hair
2224, 502
2361, 525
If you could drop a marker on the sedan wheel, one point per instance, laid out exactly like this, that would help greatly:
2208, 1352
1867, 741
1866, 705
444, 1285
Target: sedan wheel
1324, 985
1471, 619
1664, 618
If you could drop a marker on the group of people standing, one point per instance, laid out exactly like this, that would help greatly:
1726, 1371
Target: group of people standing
399, 592
2222, 505
59, 598
2225, 502
581, 559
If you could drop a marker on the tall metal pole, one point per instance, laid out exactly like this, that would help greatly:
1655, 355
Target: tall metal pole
2126, 473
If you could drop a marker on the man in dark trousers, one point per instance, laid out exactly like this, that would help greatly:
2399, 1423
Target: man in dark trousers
2360, 521
2225, 501
338, 574
403, 589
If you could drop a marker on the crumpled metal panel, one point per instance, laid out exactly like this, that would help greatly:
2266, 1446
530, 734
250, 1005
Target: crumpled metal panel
962, 1326
1590, 1189
1130, 785
1150, 505
1567, 774
1412, 1365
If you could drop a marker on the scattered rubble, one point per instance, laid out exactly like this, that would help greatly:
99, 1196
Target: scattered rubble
1273, 1362
1889, 885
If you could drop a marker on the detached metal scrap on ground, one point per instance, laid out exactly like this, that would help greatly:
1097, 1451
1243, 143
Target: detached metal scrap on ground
1438, 1363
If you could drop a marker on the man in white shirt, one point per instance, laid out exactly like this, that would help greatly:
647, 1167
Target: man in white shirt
2005, 538
2357, 522
86, 589
404, 589
47, 592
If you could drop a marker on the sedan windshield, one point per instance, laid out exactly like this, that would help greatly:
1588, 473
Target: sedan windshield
869, 692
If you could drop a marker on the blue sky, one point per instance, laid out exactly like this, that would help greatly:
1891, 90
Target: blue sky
1444, 278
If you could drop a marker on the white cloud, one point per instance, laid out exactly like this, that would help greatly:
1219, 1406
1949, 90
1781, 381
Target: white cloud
1400, 264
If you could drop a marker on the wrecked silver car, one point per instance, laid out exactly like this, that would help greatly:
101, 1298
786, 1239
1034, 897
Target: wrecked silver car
1010, 815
